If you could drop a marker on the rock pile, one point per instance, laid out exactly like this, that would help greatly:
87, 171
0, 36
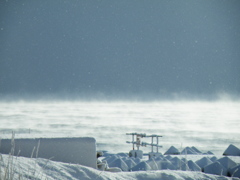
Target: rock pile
222, 166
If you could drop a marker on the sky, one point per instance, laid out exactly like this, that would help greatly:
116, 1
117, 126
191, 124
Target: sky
119, 47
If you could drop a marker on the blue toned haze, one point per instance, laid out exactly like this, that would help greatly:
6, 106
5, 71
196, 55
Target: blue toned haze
117, 48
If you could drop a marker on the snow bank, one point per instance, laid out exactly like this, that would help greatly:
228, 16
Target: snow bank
69, 150
46, 169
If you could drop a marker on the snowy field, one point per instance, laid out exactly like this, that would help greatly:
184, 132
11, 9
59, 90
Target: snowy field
209, 126
27, 168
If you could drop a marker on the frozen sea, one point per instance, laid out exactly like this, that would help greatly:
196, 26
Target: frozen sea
207, 125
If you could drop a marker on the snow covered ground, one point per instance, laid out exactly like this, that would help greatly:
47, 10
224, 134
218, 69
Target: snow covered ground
209, 126
30, 168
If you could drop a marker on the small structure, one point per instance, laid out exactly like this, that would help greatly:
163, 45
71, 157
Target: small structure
136, 153
138, 143
70, 150
152, 153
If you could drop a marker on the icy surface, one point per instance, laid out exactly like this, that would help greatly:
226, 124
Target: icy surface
208, 126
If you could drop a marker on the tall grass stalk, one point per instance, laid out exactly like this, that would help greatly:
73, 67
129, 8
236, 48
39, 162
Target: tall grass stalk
8, 170
234, 172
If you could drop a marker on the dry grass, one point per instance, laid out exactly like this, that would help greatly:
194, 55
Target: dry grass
10, 169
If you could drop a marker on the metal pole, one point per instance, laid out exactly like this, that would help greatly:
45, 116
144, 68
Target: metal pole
133, 141
152, 144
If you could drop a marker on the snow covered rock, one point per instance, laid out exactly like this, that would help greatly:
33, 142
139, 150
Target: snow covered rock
213, 159
196, 150
193, 166
172, 150
130, 163
122, 154
159, 158
152, 163
142, 166
210, 153
215, 168
154, 155
120, 164
184, 166
203, 162
179, 164
188, 150
136, 160
165, 164
176, 162
110, 159
168, 157
232, 151
184, 160
227, 162
235, 171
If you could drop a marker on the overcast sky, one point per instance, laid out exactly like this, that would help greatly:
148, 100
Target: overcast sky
119, 47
